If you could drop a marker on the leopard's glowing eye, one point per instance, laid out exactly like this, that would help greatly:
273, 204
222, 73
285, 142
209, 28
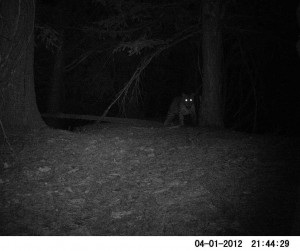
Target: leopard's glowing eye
191, 100
186, 100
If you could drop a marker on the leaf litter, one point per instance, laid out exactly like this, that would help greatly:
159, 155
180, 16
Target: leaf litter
144, 179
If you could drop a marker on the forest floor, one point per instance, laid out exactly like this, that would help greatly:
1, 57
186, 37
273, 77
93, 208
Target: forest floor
143, 179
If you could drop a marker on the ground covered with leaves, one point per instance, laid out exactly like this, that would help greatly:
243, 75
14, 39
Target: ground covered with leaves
144, 179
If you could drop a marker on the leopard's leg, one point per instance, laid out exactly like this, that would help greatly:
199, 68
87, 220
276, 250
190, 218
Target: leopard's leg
181, 119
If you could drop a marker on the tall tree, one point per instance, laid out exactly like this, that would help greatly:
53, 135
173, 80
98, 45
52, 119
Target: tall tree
56, 94
17, 98
211, 109
174, 29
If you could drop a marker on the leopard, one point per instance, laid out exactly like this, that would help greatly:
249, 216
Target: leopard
181, 107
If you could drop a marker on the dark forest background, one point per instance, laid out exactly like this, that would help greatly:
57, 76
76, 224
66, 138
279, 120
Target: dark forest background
86, 52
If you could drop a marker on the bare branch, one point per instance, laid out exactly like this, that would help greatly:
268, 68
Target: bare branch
135, 78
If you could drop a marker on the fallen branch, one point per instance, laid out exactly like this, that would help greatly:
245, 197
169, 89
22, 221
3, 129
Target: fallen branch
89, 117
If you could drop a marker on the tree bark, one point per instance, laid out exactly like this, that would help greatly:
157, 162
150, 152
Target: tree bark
56, 93
211, 103
18, 107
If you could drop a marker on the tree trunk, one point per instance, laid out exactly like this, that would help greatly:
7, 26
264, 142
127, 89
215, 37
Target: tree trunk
18, 107
211, 106
56, 93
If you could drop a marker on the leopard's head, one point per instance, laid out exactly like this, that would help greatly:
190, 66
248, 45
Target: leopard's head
188, 100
